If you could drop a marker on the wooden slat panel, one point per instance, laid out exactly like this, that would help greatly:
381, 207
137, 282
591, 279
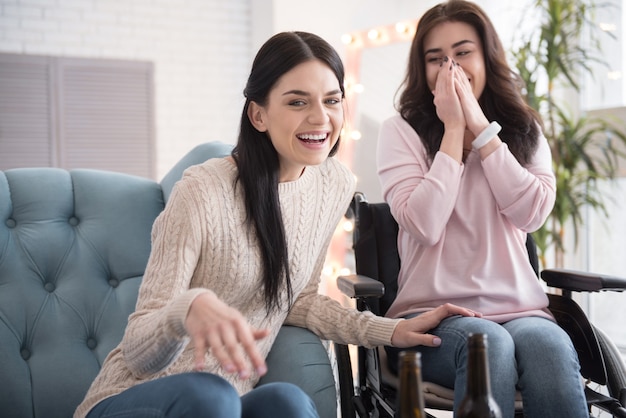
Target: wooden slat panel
76, 113
25, 121
106, 110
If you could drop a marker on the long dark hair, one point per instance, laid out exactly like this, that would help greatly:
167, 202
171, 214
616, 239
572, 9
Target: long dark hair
257, 159
501, 99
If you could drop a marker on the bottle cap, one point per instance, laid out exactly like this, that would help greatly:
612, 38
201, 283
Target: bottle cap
477, 340
409, 356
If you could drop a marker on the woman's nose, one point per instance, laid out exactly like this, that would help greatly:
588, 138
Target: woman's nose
318, 114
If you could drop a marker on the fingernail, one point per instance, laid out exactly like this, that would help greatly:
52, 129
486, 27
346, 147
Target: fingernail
230, 368
445, 59
437, 341
244, 374
261, 370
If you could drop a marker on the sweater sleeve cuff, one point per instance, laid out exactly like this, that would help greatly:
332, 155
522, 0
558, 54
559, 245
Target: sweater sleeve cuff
381, 329
179, 308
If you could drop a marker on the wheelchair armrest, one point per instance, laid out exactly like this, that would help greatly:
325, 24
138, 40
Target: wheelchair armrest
359, 286
579, 281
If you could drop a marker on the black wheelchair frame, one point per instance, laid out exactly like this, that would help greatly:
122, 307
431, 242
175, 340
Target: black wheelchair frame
374, 287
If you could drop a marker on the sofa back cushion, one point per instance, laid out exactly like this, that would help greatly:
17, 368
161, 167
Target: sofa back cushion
73, 249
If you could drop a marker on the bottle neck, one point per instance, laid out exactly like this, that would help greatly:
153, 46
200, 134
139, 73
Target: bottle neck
411, 400
478, 382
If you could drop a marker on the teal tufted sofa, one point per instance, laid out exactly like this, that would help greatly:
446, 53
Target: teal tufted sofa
73, 248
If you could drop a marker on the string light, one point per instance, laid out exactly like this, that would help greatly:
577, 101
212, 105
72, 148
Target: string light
327, 270
347, 38
403, 28
351, 86
373, 34
356, 135
381, 35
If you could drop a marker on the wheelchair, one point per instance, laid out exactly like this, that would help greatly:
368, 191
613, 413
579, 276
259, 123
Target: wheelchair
374, 287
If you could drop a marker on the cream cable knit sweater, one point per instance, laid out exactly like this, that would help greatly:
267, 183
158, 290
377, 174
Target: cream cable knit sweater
200, 244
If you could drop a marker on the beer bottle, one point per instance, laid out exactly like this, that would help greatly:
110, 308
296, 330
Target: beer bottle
410, 399
478, 401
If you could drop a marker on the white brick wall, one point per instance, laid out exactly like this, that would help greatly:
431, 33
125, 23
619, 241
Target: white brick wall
201, 50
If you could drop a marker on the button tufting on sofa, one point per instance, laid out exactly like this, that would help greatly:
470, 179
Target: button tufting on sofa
91, 343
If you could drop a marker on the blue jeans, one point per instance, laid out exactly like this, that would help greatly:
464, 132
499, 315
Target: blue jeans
533, 355
203, 395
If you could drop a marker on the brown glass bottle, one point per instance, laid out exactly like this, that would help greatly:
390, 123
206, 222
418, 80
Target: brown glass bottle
410, 397
478, 401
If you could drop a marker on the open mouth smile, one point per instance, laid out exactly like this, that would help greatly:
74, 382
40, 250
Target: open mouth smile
312, 138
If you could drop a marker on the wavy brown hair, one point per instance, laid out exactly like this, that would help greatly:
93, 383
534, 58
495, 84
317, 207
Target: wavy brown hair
501, 100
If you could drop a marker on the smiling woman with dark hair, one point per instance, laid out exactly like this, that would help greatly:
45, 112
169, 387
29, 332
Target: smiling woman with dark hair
238, 252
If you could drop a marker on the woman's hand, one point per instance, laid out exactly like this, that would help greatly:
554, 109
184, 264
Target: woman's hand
215, 326
411, 332
475, 118
446, 99
449, 111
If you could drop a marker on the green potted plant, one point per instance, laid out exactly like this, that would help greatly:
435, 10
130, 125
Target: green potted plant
585, 149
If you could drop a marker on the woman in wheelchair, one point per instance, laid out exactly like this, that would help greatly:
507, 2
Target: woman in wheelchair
467, 174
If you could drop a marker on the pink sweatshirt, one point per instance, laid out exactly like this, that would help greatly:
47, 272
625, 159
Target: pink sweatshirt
463, 226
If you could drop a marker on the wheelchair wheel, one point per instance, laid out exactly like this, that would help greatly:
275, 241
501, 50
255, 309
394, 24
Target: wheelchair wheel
615, 368
346, 382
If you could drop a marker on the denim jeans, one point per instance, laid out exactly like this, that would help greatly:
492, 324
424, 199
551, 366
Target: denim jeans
203, 395
533, 355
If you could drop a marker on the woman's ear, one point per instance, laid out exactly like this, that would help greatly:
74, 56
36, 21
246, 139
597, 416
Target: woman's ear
256, 114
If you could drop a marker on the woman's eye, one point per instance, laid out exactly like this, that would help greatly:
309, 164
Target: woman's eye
333, 101
462, 53
435, 60
297, 103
